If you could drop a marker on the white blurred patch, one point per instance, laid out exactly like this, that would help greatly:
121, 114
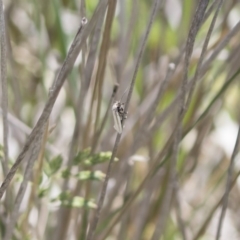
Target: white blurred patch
33, 217
70, 22
24, 203
174, 12
13, 146
233, 17
189, 140
65, 126
138, 158
225, 133
223, 55
227, 231
58, 106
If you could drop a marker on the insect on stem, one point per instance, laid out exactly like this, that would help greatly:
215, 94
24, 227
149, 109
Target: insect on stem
118, 116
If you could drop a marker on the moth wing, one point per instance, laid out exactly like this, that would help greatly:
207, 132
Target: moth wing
117, 121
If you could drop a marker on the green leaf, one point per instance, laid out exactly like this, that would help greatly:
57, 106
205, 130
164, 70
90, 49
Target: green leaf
43, 192
89, 160
81, 156
62, 196
89, 175
79, 202
98, 158
66, 173
55, 164
75, 202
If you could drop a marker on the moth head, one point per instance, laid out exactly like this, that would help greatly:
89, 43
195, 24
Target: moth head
121, 108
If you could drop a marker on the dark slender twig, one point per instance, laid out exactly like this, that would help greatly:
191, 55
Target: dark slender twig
157, 165
165, 208
228, 186
125, 41
4, 87
20, 126
28, 172
93, 50
99, 132
97, 92
181, 224
66, 68
213, 101
220, 47
202, 56
103, 58
152, 109
205, 66
138, 60
223, 43
13, 77
210, 9
63, 213
203, 227
89, 69
153, 14
145, 205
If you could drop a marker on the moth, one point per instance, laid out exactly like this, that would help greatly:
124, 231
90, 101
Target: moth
118, 115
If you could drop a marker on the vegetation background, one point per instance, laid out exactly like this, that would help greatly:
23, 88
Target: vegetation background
173, 172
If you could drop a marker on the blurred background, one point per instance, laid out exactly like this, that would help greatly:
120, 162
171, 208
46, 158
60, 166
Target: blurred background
155, 191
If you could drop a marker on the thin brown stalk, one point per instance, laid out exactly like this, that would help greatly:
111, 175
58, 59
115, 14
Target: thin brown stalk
89, 69
84, 88
65, 214
94, 223
97, 92
144, 206
36, 177
205, 67
156, 165
168, 110
4, 88
220, 47
13, 79
152, 100
93, 50
26, 130
75, 143
181, 224
103, 57
210, 10
202, 56
228, 186
165, 208
100, 130
93, 226
95, 141
66, 68
83, 8
98, 86
14, 216
158, 94
138, 114
100, 73
122, 233
152, 109
125, 41
206, 222
156, 5
38, 143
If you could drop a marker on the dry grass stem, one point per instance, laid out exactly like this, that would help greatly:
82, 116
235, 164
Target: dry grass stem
173, 65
